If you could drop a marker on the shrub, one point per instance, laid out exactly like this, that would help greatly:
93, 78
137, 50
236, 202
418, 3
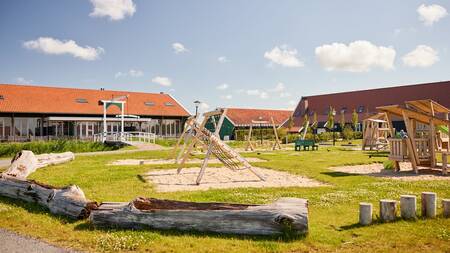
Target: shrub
388, 165
348, 133
57, 146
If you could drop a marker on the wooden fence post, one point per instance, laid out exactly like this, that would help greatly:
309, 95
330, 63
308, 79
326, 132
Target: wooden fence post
446, 208
388, 209
365, 213
408, 206
429, 204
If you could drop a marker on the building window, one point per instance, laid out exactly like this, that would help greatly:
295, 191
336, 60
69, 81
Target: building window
2, 97
81, 100
149, 103
168, 104
361, 109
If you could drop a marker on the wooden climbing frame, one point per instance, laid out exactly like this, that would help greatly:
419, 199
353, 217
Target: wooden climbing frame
248, 138
197, 133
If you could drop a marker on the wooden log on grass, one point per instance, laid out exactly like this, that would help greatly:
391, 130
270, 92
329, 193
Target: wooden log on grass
408, 206
365, 213
286, 214
25, 162
68, 201
429, 200
446, 208
388, 210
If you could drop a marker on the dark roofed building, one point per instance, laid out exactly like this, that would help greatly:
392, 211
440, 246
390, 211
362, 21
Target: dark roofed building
32, 112
366, 101
242, 118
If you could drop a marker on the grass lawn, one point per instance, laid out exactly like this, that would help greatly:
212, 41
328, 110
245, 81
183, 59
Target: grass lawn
333, 209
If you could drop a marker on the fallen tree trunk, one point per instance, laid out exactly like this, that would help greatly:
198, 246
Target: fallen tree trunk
286, 214
25, 162
68, 201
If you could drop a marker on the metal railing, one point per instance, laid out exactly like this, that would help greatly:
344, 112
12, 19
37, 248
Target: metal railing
127, 137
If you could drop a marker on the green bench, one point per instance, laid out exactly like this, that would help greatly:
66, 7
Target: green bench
305, 144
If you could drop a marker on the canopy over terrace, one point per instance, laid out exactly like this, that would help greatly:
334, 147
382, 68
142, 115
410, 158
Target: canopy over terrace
419, 150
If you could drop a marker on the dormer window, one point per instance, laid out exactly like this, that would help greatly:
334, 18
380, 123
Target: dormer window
149, 103
81, 100
168, 104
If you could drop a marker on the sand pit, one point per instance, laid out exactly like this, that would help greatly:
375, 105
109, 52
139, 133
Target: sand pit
172, 161
222, 178
406, 173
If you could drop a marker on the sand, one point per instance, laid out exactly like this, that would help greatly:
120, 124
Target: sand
172, 161
406, 173
224, 178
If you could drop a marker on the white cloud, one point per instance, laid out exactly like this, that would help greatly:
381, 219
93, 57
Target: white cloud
284, 94
358, 56
284, 56
164, 81
179, 48
223, 86
114, 9
279, 87
431, 13
228, 96
131, 72
203, 106
21, 80
256, 92
49, 45
422, 56
222, 59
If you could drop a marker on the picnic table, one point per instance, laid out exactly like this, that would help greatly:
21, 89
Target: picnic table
306, 144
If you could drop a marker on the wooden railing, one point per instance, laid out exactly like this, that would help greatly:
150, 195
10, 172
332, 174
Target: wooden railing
399, 151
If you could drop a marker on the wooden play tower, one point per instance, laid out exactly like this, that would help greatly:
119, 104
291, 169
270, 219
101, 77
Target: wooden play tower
424, 122
376, 130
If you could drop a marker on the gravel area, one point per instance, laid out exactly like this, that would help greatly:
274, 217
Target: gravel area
222, 178
406, 173
13, 243
172, 161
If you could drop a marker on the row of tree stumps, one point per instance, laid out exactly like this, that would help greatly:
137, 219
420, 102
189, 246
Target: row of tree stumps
408, 207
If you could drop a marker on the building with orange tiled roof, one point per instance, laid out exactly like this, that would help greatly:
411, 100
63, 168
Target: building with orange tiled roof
365, 102
242, 118
32, 112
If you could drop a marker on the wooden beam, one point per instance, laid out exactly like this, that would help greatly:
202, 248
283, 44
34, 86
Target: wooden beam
410, 143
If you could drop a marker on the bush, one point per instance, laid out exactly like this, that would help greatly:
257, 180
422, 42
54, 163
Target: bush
348, 133
57, 146
388, 165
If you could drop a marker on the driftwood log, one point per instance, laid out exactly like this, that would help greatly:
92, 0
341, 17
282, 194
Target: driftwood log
69, 201
25, 162
286, 214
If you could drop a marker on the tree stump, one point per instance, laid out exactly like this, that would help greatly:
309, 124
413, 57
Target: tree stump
388, 210
408, 206
429, 204
365, 213
446, 208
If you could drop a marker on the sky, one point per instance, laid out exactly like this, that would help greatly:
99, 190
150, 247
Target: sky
248, 53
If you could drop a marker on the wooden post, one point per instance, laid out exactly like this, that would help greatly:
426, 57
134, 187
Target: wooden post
432, 144
365, 213
446, 208
411, 144
277, 141
429, 204
408, 206
444, 162
388, 210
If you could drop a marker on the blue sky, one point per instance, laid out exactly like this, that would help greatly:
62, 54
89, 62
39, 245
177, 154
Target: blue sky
271, 52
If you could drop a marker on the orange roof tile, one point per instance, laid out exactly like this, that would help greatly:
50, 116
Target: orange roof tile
245, 116
53, 100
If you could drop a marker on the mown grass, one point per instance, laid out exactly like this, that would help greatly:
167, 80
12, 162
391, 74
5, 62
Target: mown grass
333, 209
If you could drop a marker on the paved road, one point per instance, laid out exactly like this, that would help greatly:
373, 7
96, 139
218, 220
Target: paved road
13, 243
